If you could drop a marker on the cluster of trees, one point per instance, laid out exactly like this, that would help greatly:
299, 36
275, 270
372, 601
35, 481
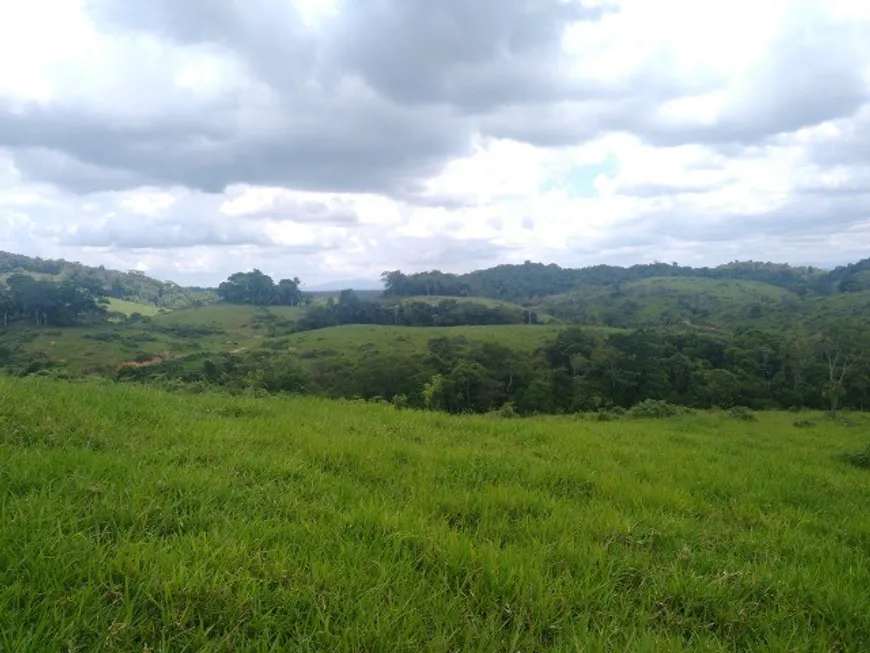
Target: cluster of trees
578, 370
530, 281
25, 299
851, 278
349, 308
258, 288
435, 283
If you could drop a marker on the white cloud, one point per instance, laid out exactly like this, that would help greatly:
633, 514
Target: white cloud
341, 139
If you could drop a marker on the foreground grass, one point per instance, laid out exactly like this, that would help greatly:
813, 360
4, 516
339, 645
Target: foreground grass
135, 520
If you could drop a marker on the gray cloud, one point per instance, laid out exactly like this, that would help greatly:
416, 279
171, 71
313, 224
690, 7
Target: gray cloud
808, 77
804, 218
377, 100
379, 97
850, 145
340, 214
126, 234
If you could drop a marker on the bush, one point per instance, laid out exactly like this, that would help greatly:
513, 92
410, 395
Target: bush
103, 336
507, 411
861, 459
742, 413
605, 415
656, 409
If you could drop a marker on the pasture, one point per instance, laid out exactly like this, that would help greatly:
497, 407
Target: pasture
137, 520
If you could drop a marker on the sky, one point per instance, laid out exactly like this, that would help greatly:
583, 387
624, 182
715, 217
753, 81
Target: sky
335, 139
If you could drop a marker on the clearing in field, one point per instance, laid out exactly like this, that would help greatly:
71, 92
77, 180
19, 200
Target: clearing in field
134, 520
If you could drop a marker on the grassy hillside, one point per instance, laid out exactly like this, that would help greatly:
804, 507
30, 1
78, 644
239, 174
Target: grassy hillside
130, 286
137, 520
129, 308
217, 328
510, 307
718, 303
355, 339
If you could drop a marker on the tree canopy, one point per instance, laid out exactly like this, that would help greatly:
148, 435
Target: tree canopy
257, 288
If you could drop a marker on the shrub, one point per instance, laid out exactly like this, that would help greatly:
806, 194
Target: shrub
507, 411
742, 413
861, 459
103, 336
656, 409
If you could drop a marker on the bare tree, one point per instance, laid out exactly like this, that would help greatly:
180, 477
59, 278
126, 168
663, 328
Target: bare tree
840, 357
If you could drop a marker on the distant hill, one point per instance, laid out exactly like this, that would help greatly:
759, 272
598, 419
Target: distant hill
132, 286
529, 282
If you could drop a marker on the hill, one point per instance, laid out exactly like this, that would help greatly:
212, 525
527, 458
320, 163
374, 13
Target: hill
714, 303
130, 286
134, 519
530, 282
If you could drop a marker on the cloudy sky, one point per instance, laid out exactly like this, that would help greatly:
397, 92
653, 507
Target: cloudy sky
335, 139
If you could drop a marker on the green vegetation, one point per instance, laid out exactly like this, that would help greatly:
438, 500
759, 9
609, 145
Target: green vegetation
763, 336
128, 308
131, 286
258, 288
132, 519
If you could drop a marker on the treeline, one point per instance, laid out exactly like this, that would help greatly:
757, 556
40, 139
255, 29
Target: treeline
258, 288
577, 371
349, 308
530, 281
39, 302
132, 286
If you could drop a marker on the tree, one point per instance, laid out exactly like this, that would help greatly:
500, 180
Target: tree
257, 288
839, 355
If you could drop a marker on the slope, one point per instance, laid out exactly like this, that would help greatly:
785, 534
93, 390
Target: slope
134, 519
714, 303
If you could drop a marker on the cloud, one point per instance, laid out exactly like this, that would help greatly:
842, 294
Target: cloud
335, 139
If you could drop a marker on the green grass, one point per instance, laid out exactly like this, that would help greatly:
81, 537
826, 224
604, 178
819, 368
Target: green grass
685, 302
517, 309
354, 339
97, 348
233, 317
134, 520
128, 308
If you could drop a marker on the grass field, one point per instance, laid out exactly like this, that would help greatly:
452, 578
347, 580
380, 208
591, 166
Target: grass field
720, 303
134, 520
128, 308
96, 348
356, 338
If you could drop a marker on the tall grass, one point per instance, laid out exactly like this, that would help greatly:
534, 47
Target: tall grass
134, 520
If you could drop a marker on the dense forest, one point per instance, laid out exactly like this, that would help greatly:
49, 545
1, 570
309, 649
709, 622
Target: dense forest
25, 299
